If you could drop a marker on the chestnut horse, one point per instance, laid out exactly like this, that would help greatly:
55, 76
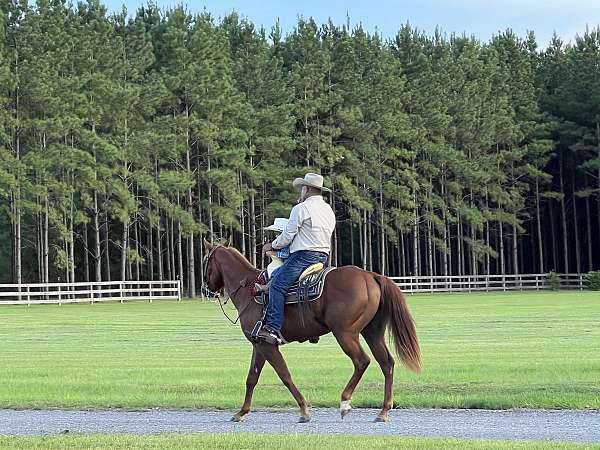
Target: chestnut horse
354, 302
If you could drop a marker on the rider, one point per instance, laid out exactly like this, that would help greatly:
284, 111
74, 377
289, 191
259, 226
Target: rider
308, 233
278, 257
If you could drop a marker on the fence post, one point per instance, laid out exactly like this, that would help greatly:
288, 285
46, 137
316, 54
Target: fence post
179, 289
121, 291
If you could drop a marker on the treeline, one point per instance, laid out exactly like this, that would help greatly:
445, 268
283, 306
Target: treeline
125, 139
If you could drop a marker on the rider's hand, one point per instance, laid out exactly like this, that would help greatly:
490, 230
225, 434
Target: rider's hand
270, 253
267, 247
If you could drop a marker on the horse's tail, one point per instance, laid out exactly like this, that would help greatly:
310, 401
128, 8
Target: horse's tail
400, 322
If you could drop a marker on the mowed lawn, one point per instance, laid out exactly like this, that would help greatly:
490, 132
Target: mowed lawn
249, 441
524, 350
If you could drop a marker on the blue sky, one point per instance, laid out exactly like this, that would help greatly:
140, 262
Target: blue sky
475, 17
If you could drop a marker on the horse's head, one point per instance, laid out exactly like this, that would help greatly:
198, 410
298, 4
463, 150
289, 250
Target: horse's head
213, 276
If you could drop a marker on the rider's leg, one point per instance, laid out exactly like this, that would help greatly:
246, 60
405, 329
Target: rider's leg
285, 278
280, 283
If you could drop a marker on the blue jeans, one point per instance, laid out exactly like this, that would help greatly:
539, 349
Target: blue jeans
287, 275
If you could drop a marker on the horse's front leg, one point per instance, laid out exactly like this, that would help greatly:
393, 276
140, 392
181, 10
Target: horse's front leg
256, 365
275, 358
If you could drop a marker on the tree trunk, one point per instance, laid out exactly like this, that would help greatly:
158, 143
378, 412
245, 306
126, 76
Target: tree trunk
364, 240
137, 249
576, 228
501, 244
150, 251
382, 266
46, 245
159, 251
173, 273
515, 248
370, 244
539, 227
402, 255
17, 192
190, 238
72, 239
86, 259
554, 239
210, 201
252, 226
97, 240
170, 268
588, 214
460, 245
415, 233
124, 248
107, 247
351, 243
180, 253
474, 269
429, 249
564, 218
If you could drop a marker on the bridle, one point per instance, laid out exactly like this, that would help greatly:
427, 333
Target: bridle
211, 293
205, 289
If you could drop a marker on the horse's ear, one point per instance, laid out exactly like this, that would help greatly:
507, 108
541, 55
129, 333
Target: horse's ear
207, 245
227, 242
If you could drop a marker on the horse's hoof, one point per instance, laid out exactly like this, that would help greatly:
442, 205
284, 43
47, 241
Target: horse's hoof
237, 418
304, 419
344, 413
380, 419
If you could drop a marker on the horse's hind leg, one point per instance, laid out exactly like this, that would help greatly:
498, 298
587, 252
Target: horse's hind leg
374, 334
275, 358
351, 346
256, 365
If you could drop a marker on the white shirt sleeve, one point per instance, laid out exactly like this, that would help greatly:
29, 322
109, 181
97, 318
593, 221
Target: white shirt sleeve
297, 217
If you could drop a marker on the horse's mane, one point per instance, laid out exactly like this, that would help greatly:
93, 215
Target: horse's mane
239, 256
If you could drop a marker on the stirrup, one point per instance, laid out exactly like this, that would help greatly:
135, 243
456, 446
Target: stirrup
261, 287
275, 338
254, 334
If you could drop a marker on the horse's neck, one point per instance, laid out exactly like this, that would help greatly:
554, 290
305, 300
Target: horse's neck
238, 273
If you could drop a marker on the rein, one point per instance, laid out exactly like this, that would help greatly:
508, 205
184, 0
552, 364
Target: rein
243, 283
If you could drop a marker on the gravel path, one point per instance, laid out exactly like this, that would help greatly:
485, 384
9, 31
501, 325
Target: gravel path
566, 425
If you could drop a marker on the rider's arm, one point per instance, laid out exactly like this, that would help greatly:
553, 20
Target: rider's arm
297, 216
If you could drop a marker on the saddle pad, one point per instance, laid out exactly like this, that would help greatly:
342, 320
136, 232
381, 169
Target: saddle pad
306, 290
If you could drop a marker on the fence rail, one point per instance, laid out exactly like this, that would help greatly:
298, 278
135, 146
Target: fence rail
474, 283
106, 291
92, 292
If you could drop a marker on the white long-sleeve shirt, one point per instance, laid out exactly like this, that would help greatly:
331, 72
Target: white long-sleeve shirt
310, 227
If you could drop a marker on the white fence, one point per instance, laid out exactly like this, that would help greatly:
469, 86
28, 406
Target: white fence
473, 283
104, 291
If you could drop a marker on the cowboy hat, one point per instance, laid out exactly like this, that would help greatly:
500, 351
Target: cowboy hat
313, 180
278, 225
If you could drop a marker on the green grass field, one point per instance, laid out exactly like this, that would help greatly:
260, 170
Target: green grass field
247, 441
534, 350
